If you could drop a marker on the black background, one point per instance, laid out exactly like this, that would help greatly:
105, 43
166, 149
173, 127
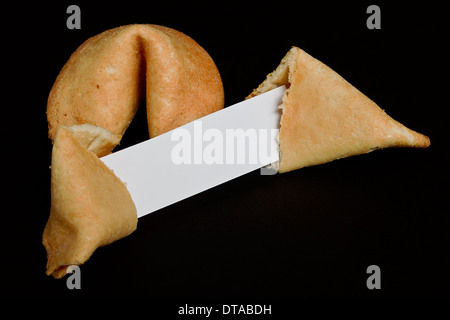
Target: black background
310, 233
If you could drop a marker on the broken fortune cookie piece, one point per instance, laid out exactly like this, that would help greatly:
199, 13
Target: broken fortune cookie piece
90, 206
325, 118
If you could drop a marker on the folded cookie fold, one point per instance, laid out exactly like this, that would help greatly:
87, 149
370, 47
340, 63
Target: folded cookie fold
325, 118
90, 206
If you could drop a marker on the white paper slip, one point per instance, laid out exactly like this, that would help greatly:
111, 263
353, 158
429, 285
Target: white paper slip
202, 154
